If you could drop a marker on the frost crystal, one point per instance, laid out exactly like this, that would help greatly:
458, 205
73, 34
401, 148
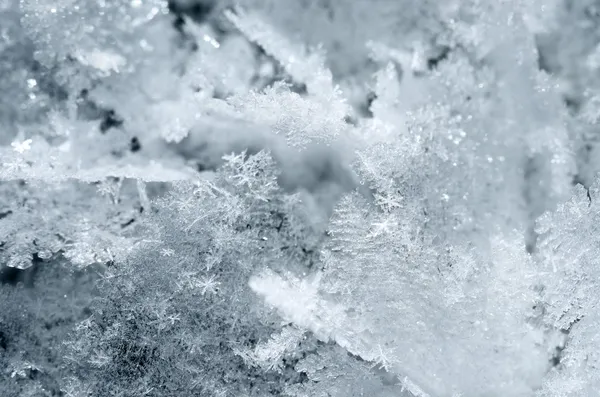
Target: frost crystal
299, 198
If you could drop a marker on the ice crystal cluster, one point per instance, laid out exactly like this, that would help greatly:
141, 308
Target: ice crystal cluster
316, 198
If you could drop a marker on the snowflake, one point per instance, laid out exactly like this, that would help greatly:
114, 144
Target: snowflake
21, 147
379, 228
381, 358
111, 188
208, 284
173, 318
15, 166
387, 202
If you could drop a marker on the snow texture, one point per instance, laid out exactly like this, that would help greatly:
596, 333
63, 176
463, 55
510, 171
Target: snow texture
323, 198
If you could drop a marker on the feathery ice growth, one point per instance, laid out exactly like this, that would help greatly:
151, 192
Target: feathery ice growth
317, 198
